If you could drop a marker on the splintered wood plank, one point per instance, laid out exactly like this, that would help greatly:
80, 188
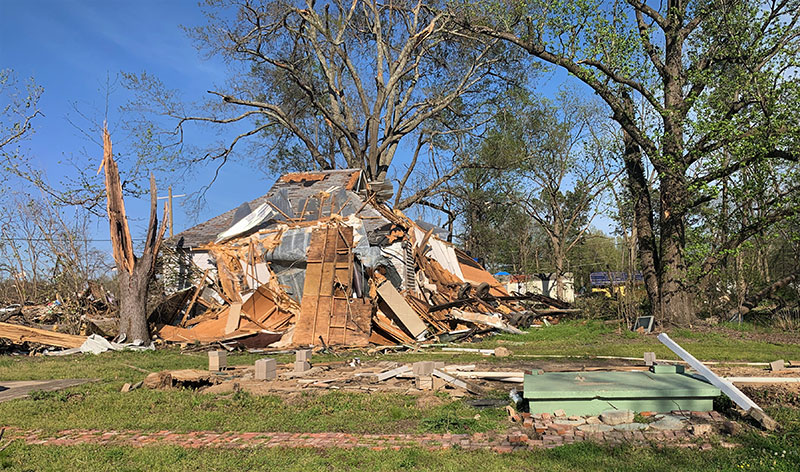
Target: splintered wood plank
18, 333
234, 316
351, 322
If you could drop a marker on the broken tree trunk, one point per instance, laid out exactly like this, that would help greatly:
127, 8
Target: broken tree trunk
134, 274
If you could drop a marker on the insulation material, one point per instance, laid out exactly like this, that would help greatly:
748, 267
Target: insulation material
292, 247
394, 255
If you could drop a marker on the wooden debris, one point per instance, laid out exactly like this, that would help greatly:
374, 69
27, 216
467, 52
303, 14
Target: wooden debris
393, 373
234, 316
458, 383
480, 318
19, 334
401, 309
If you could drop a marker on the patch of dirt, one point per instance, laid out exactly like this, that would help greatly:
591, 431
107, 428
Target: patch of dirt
773, 395
427, 400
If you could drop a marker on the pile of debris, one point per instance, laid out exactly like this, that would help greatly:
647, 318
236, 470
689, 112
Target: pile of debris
61, 323
318, 261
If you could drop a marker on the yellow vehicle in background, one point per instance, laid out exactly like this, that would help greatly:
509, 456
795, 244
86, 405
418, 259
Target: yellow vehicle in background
613, 284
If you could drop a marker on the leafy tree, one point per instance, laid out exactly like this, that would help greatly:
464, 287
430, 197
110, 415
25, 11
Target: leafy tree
564, 180
684, 80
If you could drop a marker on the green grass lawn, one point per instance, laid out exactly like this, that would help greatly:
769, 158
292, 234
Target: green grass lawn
593, 338
100, 405
577, 457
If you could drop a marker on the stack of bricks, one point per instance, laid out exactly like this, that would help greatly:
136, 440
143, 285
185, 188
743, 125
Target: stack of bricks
302, 360
548, 430
266, 369
217, 361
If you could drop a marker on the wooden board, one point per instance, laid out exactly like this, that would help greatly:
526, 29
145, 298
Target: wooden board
234, 316
18, 334
401, 309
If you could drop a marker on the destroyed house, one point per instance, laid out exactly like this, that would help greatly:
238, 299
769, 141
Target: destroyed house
319, 261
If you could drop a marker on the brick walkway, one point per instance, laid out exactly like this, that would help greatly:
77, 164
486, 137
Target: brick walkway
208, 439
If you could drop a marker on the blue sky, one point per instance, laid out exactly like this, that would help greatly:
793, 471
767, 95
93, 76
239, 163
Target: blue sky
72, 47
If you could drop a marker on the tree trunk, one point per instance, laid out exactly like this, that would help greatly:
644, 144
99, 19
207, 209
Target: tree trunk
676, 303
642, 217
134, 273
133, 302
558, 259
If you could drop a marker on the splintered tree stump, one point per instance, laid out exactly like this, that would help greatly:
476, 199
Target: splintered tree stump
134, 273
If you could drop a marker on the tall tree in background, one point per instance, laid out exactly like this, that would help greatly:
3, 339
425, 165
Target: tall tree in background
339, 83
715, 74
564, 179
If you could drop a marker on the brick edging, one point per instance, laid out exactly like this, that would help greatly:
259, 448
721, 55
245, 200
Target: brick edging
253, 440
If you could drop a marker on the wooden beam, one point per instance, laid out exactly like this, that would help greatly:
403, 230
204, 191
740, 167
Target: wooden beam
197, 292
18, 333
394, 372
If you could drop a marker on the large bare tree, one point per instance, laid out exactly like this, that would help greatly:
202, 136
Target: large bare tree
335, 83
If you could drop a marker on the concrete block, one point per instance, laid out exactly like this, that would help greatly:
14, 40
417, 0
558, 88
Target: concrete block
438, 365
425, 382
615, 417
303, 355
301, 366
424, 368
780, 364
266, 369
217, 361
649, 358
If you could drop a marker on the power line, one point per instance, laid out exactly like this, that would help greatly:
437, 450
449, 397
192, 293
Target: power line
73, 239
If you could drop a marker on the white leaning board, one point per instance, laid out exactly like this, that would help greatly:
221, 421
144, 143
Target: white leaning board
726, 386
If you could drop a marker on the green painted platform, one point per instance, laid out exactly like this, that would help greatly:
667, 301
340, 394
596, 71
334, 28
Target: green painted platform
591, 393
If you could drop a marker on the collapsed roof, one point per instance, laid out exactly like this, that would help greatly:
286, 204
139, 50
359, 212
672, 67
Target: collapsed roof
316, 261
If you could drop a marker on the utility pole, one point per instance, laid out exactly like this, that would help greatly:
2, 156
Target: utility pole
169, 198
